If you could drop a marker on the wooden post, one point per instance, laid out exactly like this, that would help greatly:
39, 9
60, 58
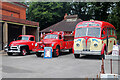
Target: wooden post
111, 65
5, 34
37, 34
23, 30
102, 67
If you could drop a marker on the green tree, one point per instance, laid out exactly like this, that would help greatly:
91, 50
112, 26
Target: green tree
47, 13
114, 17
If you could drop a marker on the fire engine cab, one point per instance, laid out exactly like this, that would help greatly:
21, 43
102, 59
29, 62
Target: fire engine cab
57, 40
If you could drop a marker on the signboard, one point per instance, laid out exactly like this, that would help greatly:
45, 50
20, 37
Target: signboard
47, 52
115, 50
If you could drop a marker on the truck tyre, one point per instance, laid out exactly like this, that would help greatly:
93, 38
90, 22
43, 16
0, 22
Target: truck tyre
56, 52
23, 51
70, 50
38, 54
76, 55
9, 53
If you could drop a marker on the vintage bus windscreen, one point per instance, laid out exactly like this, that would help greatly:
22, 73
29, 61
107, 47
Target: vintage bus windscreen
88, 31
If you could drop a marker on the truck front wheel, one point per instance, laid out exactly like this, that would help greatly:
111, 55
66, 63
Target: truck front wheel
76, 55
23, 51
9, 53
56, 51
38, 54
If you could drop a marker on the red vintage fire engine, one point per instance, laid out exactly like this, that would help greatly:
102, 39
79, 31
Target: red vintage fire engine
22, 45
57, 40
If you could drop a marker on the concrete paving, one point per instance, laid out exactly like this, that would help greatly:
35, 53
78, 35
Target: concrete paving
64, 66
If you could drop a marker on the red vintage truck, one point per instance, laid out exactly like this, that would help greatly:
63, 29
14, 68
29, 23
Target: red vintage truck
22, 45
57, 40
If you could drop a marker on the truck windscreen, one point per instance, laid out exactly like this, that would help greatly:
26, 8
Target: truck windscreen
91, 31
23, 38
51, 36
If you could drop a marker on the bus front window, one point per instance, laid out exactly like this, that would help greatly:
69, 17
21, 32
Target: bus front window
91, 31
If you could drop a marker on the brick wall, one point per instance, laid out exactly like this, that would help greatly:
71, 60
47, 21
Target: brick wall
9, 9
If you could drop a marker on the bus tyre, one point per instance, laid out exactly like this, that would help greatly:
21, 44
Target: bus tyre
23, 51
56, 52
76, 55
38, 54
9, 53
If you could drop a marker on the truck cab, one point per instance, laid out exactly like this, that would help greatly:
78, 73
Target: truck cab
22, 45
56, 40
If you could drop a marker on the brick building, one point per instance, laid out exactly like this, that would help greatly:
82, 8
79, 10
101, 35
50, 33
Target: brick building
13, 23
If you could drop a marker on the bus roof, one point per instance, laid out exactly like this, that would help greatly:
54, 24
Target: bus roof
94, 24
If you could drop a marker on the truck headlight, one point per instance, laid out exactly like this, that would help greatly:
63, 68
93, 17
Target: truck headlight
77, 45
35, 44
52, 45
18, 46
95, 44
5, 46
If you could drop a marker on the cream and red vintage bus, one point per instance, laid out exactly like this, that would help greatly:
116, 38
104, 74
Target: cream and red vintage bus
94, 38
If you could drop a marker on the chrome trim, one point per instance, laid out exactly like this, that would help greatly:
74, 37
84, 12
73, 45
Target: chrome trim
40, 51
87, 52
11, 49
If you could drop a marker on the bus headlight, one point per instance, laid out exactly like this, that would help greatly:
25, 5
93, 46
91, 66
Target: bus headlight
52, 45
35, 44
77, 45
96, 45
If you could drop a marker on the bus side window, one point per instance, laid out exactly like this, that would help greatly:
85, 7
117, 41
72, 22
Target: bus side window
103, 33
109, 31
115, 34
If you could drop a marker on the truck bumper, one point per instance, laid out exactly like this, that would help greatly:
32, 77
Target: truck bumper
87, 52
14, 49
38, 50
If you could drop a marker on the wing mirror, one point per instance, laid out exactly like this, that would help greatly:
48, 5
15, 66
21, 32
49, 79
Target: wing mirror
104, 32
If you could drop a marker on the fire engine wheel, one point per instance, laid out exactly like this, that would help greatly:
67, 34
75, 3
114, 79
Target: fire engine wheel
23, 52
56, 51
38, 54
9, 53
76, 55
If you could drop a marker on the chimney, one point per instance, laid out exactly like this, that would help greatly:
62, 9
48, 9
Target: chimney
65, 16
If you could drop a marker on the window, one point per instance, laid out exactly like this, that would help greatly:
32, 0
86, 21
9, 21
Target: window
12, 15
91, 31
60, 37
109, 31
103, 35
22, 38
51, 36
32, 39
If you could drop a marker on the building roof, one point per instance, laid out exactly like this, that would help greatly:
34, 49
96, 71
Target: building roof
18, 3
17, 20
64, 25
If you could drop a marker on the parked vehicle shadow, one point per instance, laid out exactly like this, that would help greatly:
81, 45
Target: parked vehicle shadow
17, 54
65, 53
94, 57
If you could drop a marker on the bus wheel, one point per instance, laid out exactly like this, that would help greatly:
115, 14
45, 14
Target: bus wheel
38, 54
9, 53
76, 55
56, 51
